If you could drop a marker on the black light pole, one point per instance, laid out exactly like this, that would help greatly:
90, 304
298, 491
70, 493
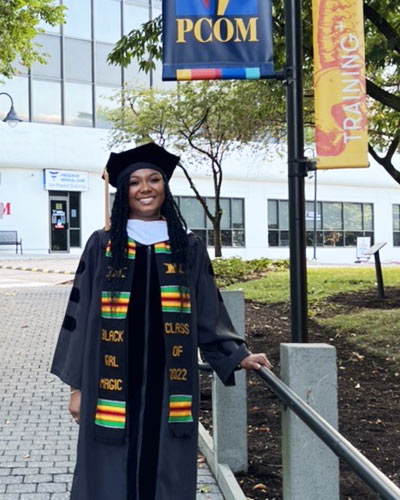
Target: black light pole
297, 170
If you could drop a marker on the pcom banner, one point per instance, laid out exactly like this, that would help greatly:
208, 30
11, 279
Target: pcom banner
217, 39
339, 84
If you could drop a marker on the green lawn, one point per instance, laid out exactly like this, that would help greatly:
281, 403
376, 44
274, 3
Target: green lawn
322, 283
375, 331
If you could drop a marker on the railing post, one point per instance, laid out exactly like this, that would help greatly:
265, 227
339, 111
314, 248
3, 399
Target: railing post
310, 469
230, 403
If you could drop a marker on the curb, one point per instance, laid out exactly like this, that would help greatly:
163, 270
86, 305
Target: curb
223, 474
37, 270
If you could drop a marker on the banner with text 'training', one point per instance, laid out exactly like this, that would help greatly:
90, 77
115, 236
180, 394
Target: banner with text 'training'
339, 84
217, 39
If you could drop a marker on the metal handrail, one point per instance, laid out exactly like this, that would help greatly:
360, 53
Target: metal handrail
365, 469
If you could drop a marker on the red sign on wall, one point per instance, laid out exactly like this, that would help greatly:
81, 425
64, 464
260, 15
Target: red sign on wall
5, 209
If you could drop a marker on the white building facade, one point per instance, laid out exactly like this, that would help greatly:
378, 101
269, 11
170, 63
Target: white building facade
51, 190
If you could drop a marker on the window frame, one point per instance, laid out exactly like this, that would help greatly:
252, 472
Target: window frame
396, 232
322, 233
208, 230
62, 36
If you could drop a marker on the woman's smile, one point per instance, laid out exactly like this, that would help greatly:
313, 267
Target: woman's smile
147, 201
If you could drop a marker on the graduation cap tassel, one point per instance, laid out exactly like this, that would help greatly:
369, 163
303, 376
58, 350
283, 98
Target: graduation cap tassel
107, 200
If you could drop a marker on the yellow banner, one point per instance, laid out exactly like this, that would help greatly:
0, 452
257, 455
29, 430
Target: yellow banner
339, 84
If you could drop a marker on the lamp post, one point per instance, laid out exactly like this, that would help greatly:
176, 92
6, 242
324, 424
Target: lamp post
12, 117
315, 216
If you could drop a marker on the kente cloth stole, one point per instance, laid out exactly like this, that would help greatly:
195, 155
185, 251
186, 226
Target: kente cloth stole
111, 408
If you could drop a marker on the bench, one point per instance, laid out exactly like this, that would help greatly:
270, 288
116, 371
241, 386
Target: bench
10, 238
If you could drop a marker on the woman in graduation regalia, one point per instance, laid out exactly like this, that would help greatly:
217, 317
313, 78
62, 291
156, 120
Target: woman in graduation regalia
143, 301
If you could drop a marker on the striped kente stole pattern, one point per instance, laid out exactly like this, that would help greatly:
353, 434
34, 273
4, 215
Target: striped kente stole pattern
111, 414
162, 247
114, 305
111, 410
180, 408
130, 249
175, 299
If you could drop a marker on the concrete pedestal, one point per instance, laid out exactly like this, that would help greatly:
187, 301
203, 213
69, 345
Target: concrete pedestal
310, 468
230, 403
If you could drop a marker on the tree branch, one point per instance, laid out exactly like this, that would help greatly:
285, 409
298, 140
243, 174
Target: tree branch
393, 148
386, 161
386, 98
197, 193
385, 28
189, 138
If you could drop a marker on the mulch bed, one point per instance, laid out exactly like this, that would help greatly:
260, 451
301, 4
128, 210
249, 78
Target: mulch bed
369, 401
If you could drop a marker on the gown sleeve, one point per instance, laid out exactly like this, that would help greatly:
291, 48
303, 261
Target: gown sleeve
220, 344
68, 356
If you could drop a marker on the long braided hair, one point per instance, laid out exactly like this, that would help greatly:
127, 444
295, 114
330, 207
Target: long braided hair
177, 230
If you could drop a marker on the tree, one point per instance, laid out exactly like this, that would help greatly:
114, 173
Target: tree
205, 120
382, 26
19, 25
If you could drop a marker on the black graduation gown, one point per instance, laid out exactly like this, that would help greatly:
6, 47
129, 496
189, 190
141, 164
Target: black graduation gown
152, 464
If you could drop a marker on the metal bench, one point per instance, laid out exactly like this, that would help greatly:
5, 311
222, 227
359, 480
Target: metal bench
11, 238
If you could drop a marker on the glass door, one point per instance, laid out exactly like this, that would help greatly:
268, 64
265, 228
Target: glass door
59, 240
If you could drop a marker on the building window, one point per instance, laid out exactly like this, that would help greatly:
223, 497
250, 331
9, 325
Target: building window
278, 223
134, 17
78, 104
112, 199
106, 100
396, 225
75, 219
105, 73
232, 222
46, 101
79, 22
107, 21
338, 224
78, 60
77, 78
51, 46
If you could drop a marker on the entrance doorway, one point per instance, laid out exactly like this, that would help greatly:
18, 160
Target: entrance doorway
59, 222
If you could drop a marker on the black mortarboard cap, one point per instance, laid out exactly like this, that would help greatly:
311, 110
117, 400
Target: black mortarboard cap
146, 156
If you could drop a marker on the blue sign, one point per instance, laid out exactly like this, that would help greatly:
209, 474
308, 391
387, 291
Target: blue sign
217, 39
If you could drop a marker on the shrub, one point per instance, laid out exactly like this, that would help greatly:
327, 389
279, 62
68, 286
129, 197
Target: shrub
228, 271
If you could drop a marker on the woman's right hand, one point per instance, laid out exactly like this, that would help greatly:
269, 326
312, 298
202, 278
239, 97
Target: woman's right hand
75, 405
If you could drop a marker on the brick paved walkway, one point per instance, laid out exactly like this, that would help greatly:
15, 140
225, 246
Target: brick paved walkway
37, 435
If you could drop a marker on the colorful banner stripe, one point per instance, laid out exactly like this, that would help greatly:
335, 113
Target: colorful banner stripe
111, 413
180, 409
218, 74
130, 249
115, 307
173, 300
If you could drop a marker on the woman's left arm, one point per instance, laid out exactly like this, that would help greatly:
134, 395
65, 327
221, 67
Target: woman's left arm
219, 342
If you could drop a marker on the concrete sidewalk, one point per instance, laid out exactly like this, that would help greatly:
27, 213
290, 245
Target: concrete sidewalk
63, 264
37, 434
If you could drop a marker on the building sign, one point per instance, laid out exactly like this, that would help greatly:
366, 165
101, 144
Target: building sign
339, 84
313, 215
217, 39
363, 245
65, 180
5, 209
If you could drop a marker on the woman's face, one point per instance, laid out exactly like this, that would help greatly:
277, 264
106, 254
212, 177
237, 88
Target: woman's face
146, 194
